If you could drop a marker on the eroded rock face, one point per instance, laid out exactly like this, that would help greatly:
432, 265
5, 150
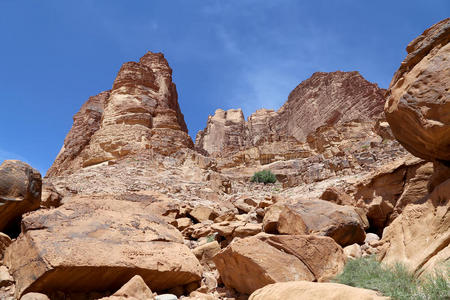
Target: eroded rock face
384, 195
97, 244
418, 110
418, 102
323, 99
224, 131
424, 226
254, 262
313, 290
140, 114
85, 123
20, 191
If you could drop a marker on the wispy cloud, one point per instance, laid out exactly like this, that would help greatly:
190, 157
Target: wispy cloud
8, 155
5, 155
265, 79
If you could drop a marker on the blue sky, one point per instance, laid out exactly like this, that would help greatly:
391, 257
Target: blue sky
225, 54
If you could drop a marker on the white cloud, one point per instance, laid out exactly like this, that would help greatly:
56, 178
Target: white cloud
229, 44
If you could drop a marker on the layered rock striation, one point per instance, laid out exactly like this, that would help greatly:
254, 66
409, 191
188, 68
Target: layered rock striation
139, 114
323, 99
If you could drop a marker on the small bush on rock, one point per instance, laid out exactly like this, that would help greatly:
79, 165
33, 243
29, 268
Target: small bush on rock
396, 282
265, 176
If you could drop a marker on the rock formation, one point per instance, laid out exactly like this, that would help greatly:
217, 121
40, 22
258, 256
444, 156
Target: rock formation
313, 216
85, 123
139, 114
323, 99
419, 95
70, 248
312, 290
131, 209
20, 191
418, 109
251, 263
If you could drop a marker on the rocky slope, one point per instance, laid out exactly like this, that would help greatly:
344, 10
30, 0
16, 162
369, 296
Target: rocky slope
131, 210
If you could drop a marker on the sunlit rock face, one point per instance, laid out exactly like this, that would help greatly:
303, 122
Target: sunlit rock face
324, 99
139, 114
418, 111
418, 102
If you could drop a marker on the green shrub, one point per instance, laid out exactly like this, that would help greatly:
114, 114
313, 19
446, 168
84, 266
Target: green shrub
264, 176
211, 238
396, 282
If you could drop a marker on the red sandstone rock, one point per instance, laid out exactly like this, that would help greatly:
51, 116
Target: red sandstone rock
312, 291
342, 223
418, 102
20, 191
97, 243
140, 114
323, 99
251, 263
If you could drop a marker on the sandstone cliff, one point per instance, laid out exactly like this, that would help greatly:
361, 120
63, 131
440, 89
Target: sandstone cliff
323, 99
139, 114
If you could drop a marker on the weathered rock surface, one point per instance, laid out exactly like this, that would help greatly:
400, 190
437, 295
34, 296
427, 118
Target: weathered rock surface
5, 278
323, 99
140, 114
85, 123
127, 169
50, 196
424, 226
342, 223
97, 243
35, 296
418, 110
353, 251
418, 102
20, 191
5, 241
313, 290
251, 263
135, 289
384, 195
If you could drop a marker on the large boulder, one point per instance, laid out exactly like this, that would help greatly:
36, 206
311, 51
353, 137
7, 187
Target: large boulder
20, 191
251, 263
342, 223
96, 244
418, 99
313, 290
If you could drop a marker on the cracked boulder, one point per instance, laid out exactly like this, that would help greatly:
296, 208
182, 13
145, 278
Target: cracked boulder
20, 191
254, 262
97, 244
345, 224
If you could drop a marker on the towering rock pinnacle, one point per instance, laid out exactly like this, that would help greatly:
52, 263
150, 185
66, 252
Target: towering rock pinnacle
140, 113
323, 99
